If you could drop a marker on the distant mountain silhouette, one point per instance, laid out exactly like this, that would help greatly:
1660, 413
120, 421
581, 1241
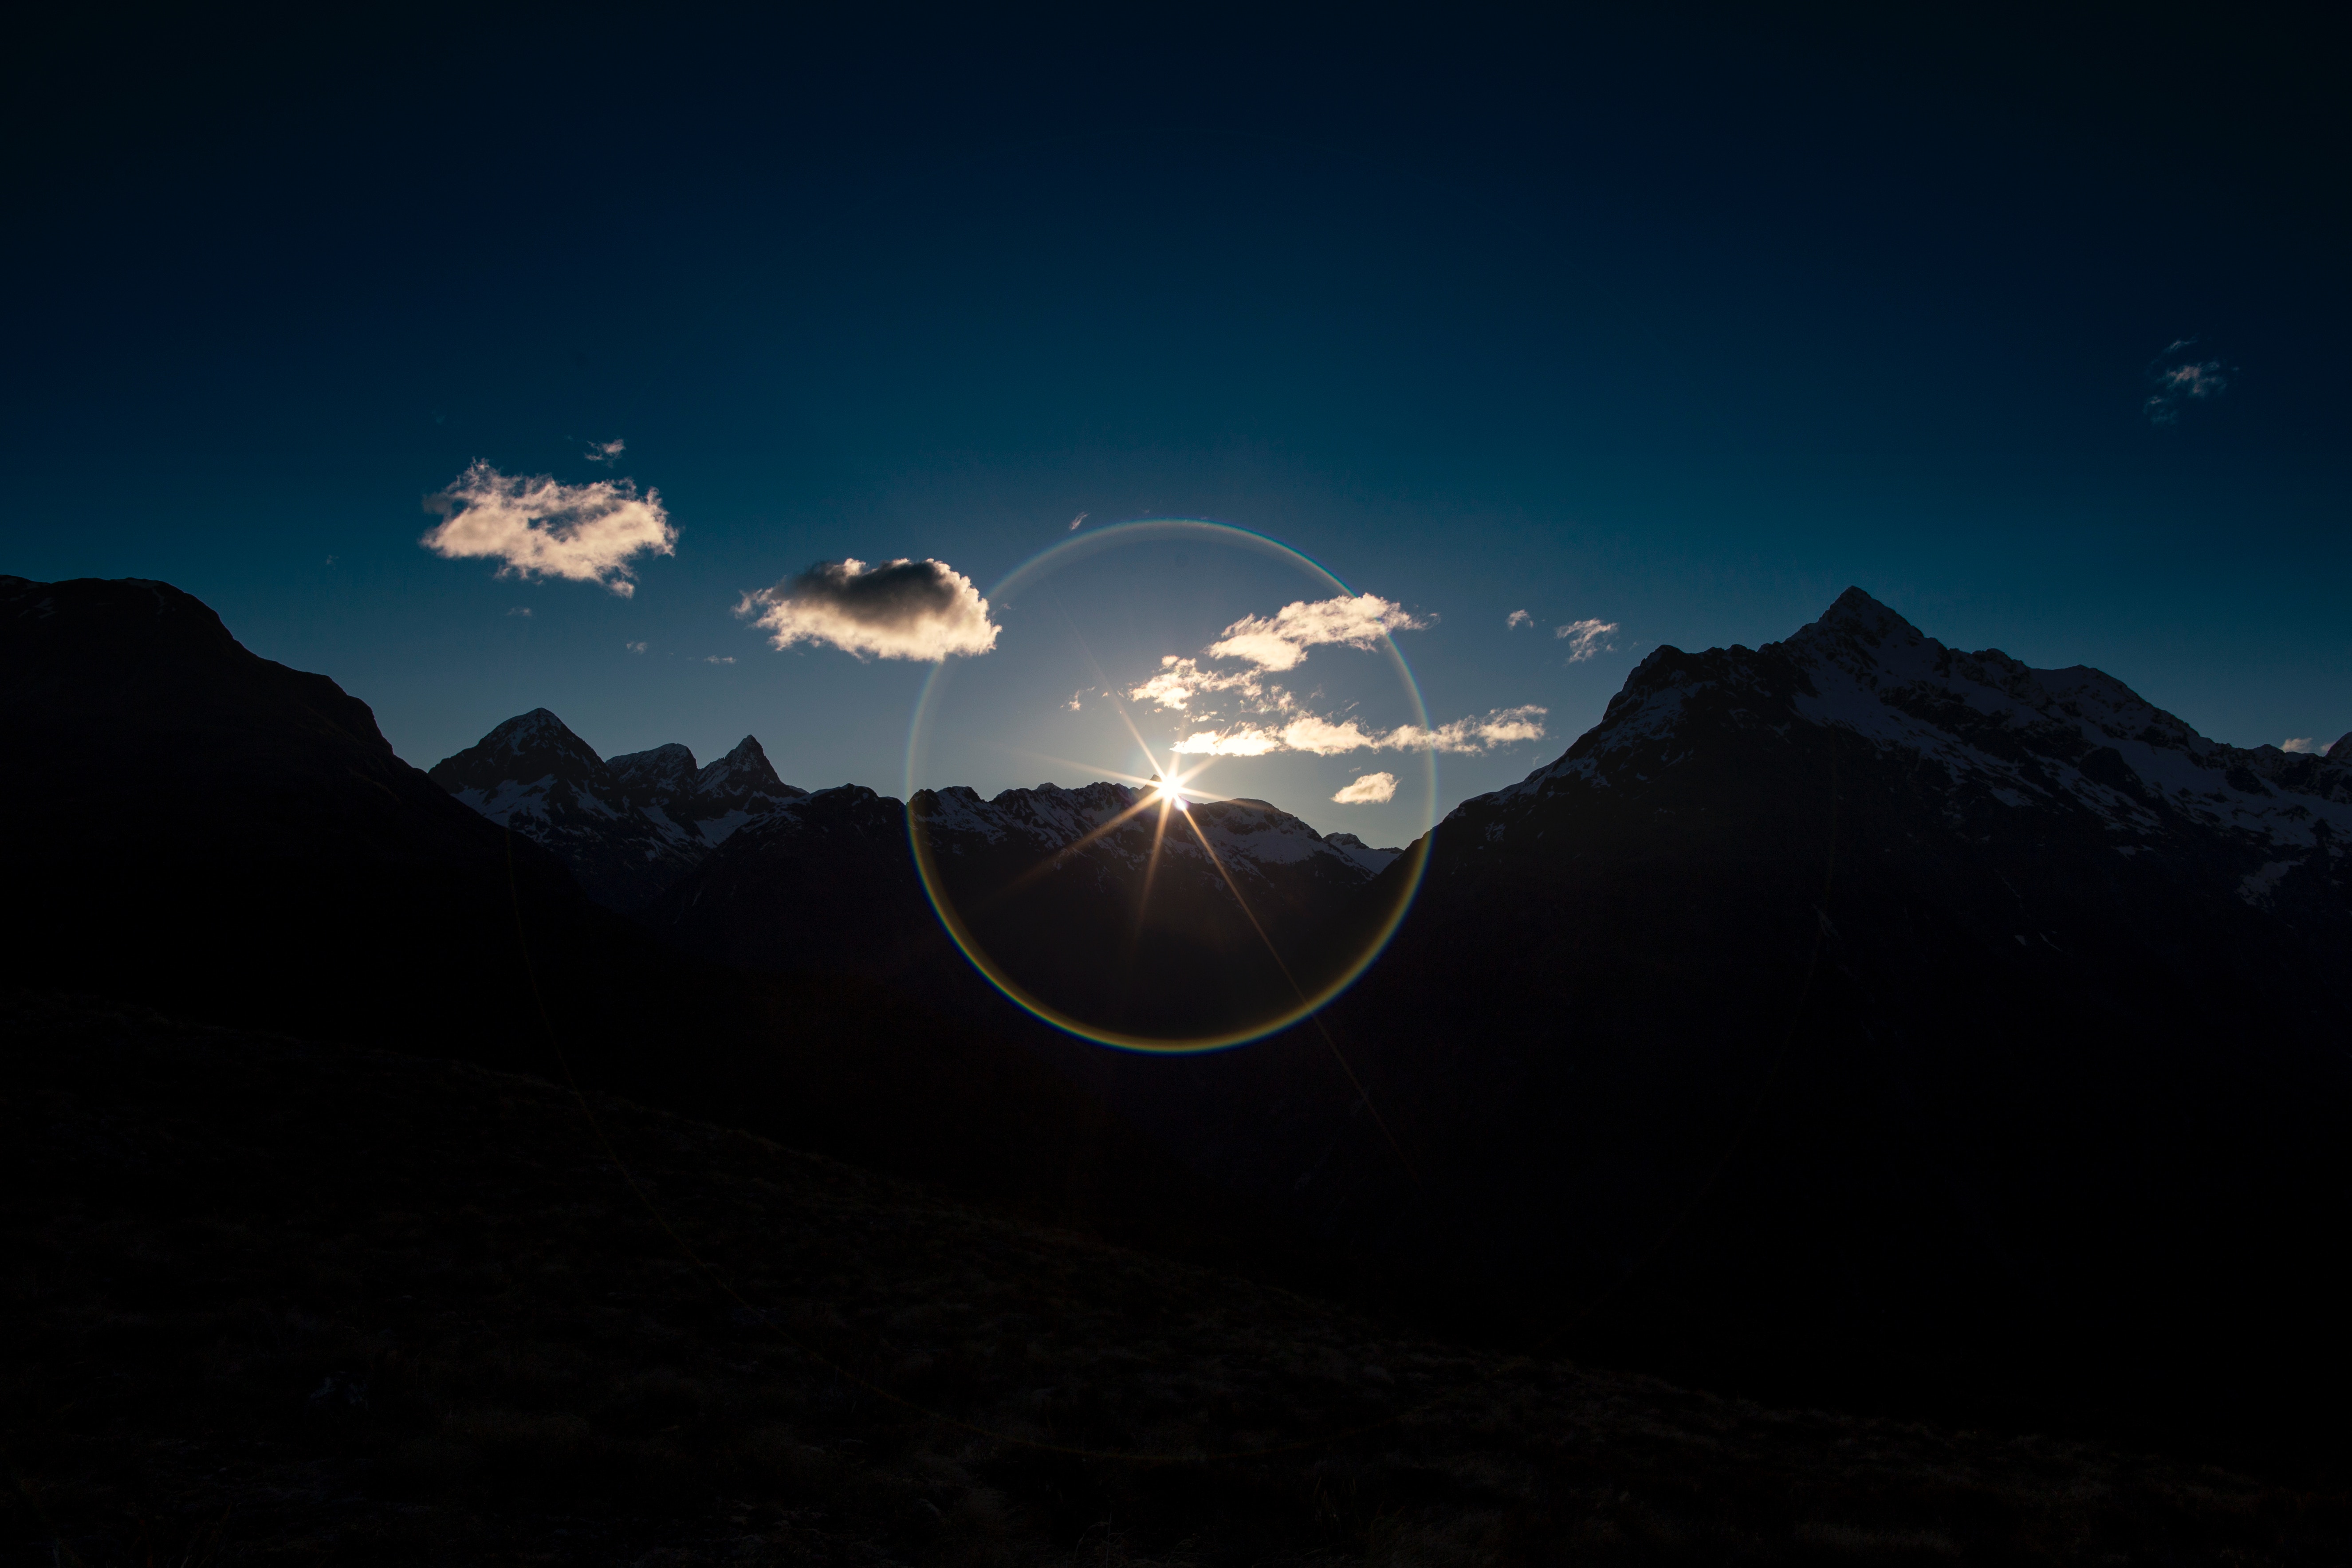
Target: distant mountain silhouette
1052, 883
628, 827
211, 832
1853, 1007
1848, 1017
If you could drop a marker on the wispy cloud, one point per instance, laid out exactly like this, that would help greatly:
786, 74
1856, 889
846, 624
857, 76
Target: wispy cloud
1077, 520
522, 610
718, 659
1366, 789
635, 646
1584, 638
537, 528
606, 452
1073, 704
1327, 737
1269, 717
2300, 743
2177, 379
900, 609
1280, 641
1519, 618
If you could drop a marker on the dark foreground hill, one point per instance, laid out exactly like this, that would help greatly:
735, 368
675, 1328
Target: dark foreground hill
1866, 1017
269, 1301
209, 832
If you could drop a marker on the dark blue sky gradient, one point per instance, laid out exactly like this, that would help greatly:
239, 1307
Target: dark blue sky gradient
1684, 328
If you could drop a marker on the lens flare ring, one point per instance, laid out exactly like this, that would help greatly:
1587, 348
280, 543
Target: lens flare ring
1167, 796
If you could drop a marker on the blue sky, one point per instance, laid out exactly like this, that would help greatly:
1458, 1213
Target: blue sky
1681, 329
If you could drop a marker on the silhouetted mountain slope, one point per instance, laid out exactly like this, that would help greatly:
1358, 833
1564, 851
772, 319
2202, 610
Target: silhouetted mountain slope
206, 831
275, 1301
1052, 884
628, 828
1854, 1011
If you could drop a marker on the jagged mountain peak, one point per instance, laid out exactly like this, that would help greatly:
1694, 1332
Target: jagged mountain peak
538, 734
1855, 615
1988, 732
746, 768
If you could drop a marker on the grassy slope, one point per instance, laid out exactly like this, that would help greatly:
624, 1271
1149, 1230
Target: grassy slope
271, 1300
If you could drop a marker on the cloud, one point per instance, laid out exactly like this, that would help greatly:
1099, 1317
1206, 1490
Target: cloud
635, 646
2176, 380
900, 609
718, 659
606, 452
1242, 741
1077, 520
537, 528
1073, 704
1519, 618
2300, 743
1501, 727
1280, 641
1369, 789
1584, 638
1271, 644
1323, 738
522, 610
1182, 679
1327, 738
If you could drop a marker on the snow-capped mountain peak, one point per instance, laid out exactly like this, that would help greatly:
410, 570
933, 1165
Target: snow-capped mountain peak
1991, 729
627, 827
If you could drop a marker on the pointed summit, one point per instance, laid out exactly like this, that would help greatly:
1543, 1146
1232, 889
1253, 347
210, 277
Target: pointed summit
1855, 617
530, 745
746, 765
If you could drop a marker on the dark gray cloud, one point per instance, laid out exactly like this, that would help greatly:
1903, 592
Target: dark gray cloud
900, 609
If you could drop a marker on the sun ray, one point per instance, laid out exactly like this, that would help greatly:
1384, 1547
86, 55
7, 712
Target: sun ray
1053, 860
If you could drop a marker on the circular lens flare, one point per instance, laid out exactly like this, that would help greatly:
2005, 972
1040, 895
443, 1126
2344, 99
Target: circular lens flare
1202, 928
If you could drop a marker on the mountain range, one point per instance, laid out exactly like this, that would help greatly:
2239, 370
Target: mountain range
1849, 1017
628, 826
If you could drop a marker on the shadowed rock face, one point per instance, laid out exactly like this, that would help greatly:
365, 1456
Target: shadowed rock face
228, 839
628, 828
1243, 901
1850, 1012
1855, 1005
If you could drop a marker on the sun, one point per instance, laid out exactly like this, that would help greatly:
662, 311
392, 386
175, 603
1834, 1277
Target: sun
1170, 791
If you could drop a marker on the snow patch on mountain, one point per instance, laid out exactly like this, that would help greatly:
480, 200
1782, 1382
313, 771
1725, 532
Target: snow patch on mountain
2074, 740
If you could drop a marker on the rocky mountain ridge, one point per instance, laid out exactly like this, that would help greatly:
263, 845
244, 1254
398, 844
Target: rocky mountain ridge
1986, 731
627, 825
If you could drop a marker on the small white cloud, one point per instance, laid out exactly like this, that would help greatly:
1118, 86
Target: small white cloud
1323, 738
1182, 679
635, 646
1073, 704
1327, 738
1502, 726
1519, 618
1280, 641
522, 610
606, 452
2300, 743
1369, 789
1584, 638
1241, 740
718, 659
1077, 520
900, 609
537, 528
